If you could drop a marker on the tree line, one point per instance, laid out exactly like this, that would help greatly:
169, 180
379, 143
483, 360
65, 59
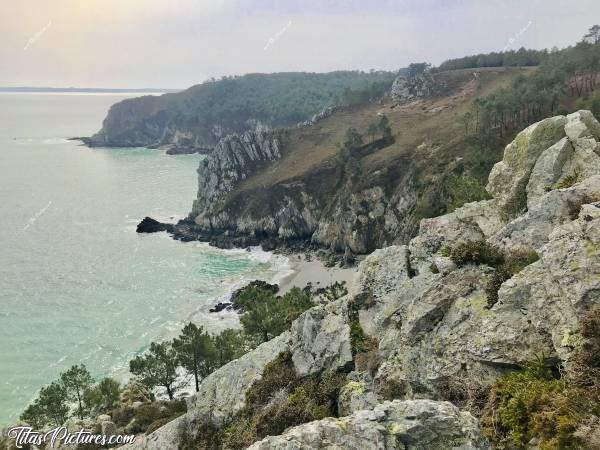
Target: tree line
263, 315
511, 58
571, 73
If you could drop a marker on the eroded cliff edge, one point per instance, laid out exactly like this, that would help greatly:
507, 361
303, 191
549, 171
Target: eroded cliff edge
436, 322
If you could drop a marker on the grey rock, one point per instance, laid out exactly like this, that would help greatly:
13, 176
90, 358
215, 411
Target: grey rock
354, 396
410, 425
321, 339
582, 124
508, 178
223, 392
548, 169
406, 89
532, 229
168, 437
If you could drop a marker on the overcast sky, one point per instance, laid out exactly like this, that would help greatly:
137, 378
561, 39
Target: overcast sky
177, 43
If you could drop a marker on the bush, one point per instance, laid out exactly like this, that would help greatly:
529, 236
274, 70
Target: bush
103, 396
359, 340
475, 252
277, 375
268, 316
536, 404
511, 265
279, 400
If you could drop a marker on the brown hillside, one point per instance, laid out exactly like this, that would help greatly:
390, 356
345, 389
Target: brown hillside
432, 121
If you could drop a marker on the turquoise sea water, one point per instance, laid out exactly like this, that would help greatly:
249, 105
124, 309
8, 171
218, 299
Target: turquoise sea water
77, 284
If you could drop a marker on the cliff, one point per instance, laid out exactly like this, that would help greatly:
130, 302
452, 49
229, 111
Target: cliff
441, 328
195, 119
308, 195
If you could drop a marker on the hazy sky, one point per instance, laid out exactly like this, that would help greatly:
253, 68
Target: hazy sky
177, 43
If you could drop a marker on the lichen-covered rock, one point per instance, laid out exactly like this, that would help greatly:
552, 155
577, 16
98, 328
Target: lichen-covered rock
414, 425
321, 339
508, 178
532, 229
548, 299
168, 437
548, 169
223, 392
582, 124
354, 396
409, 88
437, 233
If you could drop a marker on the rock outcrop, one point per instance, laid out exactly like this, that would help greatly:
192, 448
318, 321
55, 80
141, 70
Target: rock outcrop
412, 424
234, 158
408, 88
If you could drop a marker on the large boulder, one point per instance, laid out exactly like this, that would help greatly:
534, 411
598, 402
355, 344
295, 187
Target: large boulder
508, 178
321, 339
415, 425
532, 229
548, 169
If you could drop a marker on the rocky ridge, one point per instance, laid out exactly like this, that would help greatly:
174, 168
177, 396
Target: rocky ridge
436, 329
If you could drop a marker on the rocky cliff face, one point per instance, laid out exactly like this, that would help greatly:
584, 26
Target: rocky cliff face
323, 208
436, 329
152, 122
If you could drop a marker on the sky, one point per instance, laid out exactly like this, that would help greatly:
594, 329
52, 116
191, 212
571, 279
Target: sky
178, 43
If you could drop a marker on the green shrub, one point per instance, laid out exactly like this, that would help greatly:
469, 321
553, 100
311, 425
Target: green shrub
281, 399
267, 316
511, 265
359, 340
122, 416
535, 404
475, 252
278, 374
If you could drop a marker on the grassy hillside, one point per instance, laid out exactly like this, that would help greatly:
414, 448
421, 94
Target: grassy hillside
428, 133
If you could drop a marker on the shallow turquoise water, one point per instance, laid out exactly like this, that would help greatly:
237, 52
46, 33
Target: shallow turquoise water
77, 284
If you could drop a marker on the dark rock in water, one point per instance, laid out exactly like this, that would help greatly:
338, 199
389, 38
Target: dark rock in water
220, 307
149, 225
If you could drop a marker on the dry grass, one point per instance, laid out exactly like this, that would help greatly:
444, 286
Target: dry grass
435, 122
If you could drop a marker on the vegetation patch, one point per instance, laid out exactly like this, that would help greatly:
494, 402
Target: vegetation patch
558, 409
464, 189
475, 252
279, 400
505, 265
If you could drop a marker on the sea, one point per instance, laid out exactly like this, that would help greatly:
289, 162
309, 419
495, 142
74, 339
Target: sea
78, 285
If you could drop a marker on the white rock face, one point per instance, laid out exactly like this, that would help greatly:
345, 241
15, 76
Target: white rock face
414, 424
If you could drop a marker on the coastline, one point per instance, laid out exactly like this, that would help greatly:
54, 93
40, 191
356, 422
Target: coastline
313, 271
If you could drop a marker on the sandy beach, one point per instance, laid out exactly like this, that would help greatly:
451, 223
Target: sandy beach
315, 272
